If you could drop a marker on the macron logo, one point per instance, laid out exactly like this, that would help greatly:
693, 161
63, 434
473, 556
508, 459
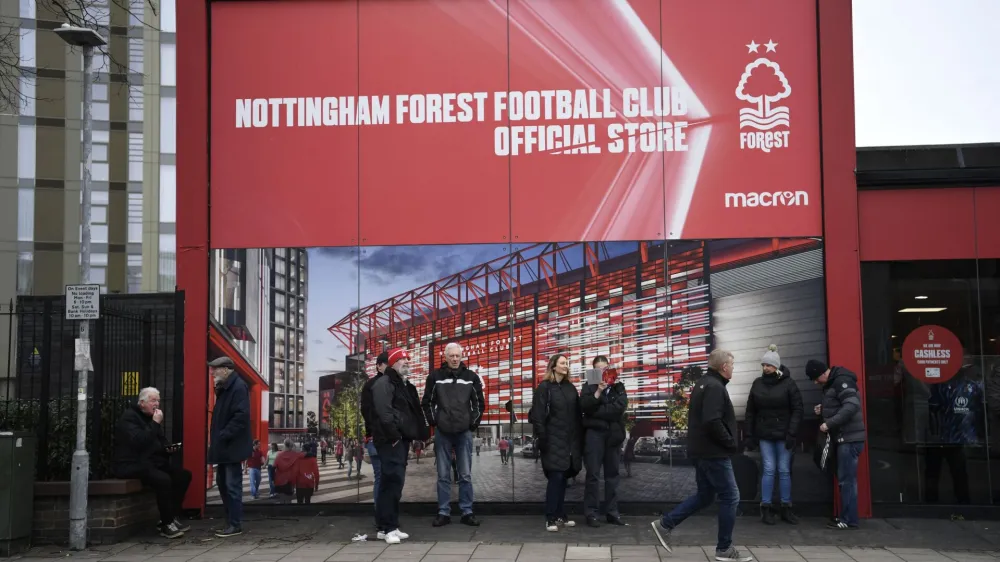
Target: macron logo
767, 199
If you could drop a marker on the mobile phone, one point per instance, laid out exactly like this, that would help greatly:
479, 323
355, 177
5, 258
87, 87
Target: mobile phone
610, 376
594, 376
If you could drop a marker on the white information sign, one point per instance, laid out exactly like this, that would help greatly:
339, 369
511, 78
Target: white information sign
83, 302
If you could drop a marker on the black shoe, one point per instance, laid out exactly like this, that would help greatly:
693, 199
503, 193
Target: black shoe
592, 521
441, 520
229, 531
838, 525
170, 531
181, 526
616, 520
470, 520
787, 515
767, 514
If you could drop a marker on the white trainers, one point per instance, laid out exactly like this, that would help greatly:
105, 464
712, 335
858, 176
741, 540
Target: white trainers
391, 538
566, 522
402, 536
551, 526
380, 536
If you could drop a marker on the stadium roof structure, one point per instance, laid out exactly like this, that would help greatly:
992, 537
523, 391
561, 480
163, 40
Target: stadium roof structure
497, 280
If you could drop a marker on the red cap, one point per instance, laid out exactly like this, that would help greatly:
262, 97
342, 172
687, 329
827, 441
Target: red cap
397, 354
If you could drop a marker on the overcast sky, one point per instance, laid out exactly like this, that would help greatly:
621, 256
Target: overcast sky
926, 72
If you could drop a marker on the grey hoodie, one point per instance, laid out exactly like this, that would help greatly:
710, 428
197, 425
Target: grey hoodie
842, 407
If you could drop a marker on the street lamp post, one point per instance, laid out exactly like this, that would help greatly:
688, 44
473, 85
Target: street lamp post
87, 39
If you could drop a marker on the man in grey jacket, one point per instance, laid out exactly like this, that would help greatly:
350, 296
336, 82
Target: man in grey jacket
843, 420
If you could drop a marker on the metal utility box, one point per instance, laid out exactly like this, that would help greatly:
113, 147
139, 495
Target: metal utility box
17, 489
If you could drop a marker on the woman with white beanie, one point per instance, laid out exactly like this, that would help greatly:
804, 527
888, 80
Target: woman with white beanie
774, 410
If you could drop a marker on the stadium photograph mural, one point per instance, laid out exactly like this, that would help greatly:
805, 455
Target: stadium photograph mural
654, 309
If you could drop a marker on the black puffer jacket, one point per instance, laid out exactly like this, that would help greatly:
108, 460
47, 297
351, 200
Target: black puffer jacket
711, 419
605, 413
555, 418
774, 407
842, 407
396, 413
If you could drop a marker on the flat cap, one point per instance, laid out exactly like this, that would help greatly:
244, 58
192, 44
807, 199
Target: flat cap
222, 362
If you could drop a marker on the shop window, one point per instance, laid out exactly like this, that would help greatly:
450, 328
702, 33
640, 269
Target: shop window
926, 395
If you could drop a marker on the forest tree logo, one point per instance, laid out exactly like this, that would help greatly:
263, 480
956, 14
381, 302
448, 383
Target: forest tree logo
763, 85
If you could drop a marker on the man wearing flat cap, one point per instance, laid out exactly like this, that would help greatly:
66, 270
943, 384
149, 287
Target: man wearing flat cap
230, 442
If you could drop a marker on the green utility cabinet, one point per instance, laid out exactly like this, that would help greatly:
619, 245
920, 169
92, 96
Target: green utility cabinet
17, 490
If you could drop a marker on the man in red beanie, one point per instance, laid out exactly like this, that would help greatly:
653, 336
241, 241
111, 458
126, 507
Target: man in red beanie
397, 420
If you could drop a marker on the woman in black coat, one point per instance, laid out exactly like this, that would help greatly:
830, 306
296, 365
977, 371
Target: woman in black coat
774, 410
555, 418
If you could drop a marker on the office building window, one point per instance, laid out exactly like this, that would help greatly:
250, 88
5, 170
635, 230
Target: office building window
26, 214
27, 9
168, 16
168, 64
25, 273
27, 44
168, 193
168, 124
28, 95
137, 12
26, 151
135, 102
97, 275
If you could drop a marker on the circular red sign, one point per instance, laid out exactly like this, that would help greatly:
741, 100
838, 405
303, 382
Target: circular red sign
932, 354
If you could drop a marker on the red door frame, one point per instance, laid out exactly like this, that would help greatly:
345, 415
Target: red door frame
840, 205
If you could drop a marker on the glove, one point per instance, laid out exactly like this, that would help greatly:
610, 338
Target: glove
790, 443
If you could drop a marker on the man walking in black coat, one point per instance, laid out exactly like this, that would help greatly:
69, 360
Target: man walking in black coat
141, 451
230, 441
603, 407
711, 443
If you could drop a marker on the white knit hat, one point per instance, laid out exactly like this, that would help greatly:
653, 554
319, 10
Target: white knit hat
771, 357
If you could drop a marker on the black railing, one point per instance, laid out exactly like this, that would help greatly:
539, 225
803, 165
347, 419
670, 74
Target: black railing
136, 343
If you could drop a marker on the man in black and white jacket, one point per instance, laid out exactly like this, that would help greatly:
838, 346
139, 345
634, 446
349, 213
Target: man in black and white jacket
453, 404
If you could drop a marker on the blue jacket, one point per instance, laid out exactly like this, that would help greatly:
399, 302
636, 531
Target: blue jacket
229, 439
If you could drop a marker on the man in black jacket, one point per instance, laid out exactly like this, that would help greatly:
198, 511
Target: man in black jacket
843, 421
603, 409
397, 422
711, 443
230, 441
141, 451
367, 414
453, 404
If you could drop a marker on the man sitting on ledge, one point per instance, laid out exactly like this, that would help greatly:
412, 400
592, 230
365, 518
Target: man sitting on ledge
142, 452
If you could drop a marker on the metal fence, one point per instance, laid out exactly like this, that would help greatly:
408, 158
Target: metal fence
137, 342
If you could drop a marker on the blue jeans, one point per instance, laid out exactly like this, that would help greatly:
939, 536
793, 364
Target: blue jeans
714, 477
774, 453
350, 466
461, 444
230, 480
376, 469
254, 482
270, 479
847, 478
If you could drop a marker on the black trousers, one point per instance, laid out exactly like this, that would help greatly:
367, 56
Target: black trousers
169, 483
304, 495
390, 491
598, 454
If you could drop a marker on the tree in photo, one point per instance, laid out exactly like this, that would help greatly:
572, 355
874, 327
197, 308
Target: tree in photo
312, 425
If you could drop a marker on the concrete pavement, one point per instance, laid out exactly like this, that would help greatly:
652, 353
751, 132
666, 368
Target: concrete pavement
522, 539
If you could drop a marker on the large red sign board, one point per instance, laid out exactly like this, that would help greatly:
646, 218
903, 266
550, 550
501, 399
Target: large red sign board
376, 122
932, 354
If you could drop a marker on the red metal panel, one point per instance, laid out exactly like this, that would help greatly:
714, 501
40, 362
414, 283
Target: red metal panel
917, 224
987, 204
192, 231
840, 203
